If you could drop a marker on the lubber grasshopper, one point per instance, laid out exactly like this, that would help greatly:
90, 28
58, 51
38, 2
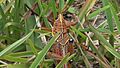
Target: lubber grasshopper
64, 43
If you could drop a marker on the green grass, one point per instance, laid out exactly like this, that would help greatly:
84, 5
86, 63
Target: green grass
25, 44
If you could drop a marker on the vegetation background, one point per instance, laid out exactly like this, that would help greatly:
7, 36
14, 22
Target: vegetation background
26, 36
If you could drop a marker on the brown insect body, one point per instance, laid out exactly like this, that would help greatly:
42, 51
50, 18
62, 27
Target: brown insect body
62, 46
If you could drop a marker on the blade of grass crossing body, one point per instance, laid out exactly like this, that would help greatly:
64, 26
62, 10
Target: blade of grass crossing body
62, 62
42, 53
15, 44
78, 32
105, 44
65, 60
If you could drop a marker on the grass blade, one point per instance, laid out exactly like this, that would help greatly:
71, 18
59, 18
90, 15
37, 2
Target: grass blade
108, 15
104, 42
78, 32
67, 5
22, 54
53, 7
85, 8
14, 59
18, 65
87, 63
64, 60
42, 53
95, 13
61, 5
15, 44
116, 18
32, 46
